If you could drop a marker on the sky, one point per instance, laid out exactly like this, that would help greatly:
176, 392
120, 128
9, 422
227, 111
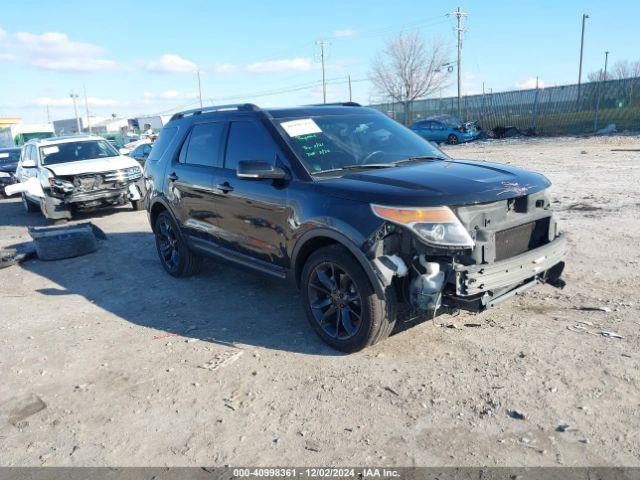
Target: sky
141, 58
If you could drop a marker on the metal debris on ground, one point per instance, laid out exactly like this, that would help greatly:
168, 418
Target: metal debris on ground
516, 414
221, 360
608, 334
15, 254
597, 308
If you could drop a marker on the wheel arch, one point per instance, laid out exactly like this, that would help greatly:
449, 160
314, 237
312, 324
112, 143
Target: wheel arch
322, 237
156, 208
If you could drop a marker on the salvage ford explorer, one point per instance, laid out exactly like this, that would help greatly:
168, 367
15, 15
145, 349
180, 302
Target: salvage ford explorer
359, 211
60, 175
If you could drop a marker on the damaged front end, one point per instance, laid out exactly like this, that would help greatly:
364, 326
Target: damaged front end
91, 190
470, 257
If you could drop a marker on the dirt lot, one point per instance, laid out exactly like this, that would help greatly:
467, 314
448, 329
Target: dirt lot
106, 360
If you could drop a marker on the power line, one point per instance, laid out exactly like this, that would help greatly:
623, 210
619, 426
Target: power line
459, 14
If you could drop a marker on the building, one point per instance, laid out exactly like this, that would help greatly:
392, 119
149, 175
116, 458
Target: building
18, 134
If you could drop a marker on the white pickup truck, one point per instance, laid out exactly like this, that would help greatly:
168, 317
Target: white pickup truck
60, 175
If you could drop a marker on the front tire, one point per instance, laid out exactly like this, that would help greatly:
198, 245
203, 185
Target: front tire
453, 139
340, 301
176, 257
28, 206
136, 205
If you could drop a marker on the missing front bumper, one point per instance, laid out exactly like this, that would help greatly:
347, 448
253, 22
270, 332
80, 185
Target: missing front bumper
482, 286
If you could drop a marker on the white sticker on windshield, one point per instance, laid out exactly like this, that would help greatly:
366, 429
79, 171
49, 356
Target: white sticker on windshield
49, 150
304, 126
4, 155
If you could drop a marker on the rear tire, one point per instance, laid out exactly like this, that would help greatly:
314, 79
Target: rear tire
175, 256
453, 140
136, 205
28, 206
341, 303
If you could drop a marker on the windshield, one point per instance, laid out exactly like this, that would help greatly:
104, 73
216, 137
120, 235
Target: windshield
76, 151
449, 121
330, 142
9, 156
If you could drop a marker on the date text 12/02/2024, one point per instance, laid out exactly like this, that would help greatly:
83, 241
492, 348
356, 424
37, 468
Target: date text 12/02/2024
316, 472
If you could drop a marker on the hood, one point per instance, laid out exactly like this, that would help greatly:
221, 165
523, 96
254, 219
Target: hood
96, 165
436, 183
8, 167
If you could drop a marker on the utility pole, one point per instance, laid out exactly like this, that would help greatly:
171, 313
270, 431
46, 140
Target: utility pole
459, 14
606, 60
74, 96
584, 20
199, 87
86, 107
322, 44
350, 96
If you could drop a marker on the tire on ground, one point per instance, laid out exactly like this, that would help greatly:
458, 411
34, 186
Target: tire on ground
56, 243
190, 262
28, 206
379, 315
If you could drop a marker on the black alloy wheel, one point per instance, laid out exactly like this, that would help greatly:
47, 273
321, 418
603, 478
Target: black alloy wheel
167, 240
335, 301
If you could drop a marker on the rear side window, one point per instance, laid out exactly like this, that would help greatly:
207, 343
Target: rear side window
203, 145
248, 141
162, 142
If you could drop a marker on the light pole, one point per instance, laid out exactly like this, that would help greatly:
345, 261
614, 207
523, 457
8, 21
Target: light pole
322, 44
74, 96
584, 20
199, 87
606, 60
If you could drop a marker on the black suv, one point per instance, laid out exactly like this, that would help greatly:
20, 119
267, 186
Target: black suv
357, 210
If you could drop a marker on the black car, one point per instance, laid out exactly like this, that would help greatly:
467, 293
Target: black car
358, 211
9, 158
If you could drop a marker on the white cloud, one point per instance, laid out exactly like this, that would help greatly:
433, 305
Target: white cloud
168, 95
347, 32
171, 63
67, 101
225, 68
2, 32
56, 51
7, 57
530, 83
277, 66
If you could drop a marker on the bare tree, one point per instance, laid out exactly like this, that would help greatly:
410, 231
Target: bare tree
598, 76
626, 69
408, 69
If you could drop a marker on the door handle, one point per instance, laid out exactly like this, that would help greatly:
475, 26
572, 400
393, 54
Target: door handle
173, 177
225, 187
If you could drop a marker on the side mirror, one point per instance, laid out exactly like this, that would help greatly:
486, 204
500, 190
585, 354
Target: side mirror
259, 169
28, 163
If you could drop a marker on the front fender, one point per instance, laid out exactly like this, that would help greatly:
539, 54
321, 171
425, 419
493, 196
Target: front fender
347, 242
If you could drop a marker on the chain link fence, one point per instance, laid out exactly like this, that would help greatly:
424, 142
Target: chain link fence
567, 109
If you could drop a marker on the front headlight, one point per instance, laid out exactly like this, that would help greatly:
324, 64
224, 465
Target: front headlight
437, 226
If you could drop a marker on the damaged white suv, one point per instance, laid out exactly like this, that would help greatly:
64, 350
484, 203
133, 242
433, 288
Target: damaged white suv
60, 175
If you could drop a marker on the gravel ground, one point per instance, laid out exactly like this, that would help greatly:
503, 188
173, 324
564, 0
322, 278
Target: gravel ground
106, 360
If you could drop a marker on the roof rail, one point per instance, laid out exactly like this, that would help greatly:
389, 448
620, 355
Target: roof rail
245, 107
336, 104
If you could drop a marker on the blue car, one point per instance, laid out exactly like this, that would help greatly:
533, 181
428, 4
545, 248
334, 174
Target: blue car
446, 129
